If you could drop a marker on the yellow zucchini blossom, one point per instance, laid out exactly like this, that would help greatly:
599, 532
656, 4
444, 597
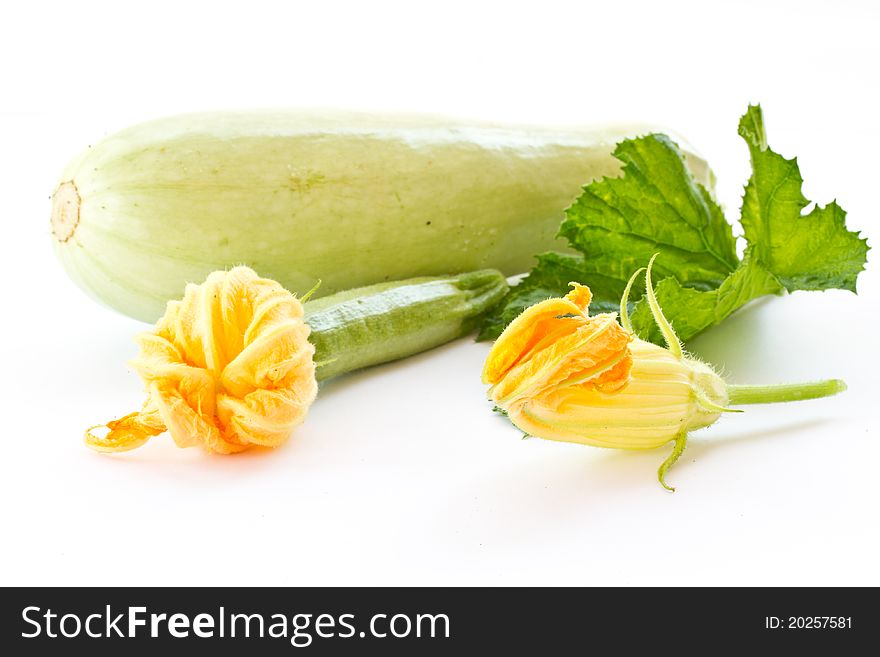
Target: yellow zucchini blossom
227, 367
561, 374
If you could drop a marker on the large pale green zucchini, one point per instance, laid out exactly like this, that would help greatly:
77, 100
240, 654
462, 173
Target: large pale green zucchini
349, 199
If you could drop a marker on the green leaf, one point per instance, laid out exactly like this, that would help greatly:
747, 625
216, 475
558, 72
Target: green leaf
657, 206
692, 311
805, 252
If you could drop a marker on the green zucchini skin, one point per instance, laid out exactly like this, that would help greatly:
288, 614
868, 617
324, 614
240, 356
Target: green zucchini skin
348, 199
387, 321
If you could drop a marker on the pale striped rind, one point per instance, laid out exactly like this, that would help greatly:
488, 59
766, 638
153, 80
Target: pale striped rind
300, 196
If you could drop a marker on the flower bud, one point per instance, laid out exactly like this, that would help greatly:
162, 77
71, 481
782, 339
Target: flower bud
563, 375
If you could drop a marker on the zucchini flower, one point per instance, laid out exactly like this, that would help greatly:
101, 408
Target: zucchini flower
227, 367
561, 374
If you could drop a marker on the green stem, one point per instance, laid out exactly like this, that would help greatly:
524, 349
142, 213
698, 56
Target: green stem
680, 443
785, 392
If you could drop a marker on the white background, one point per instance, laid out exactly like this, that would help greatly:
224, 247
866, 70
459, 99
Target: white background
401, 475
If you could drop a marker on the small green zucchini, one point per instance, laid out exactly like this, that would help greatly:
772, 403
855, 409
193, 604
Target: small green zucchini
383, 322
350, 199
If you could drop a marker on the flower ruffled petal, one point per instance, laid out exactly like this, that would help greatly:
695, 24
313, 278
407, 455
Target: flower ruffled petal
228, 366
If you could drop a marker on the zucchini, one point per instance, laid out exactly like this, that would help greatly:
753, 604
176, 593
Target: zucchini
350, 199
383, 322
